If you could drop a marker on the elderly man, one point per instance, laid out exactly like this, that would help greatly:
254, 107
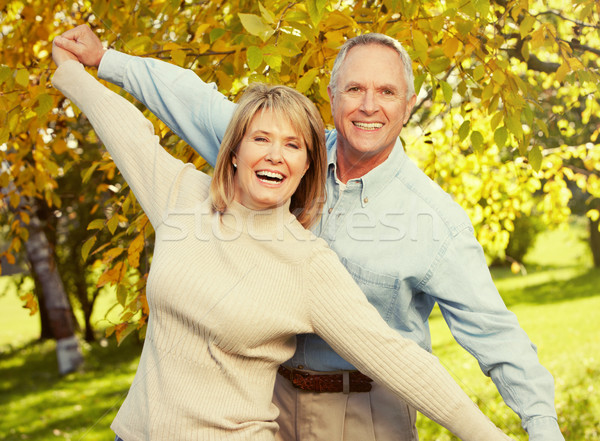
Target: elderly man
404, 240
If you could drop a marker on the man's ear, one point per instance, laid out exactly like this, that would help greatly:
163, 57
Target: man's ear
409, 107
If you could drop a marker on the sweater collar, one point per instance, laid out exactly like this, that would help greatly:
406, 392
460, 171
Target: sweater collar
259, 224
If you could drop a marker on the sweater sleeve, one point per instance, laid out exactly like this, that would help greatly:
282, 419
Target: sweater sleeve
154, 176
342, 316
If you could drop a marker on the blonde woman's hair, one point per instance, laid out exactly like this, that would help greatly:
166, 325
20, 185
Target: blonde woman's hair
285, 102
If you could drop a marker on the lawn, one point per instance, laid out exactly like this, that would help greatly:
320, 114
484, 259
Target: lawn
557, 302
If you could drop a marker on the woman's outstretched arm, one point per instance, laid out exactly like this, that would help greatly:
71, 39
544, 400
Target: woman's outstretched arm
342, 316
153, 174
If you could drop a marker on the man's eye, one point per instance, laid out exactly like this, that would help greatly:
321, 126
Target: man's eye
354, 89
388, 92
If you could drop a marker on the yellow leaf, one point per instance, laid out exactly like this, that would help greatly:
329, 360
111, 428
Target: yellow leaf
562, 72
255, 25
420, 44
59, 146
450, 46
134, 250
30, 303
111, 254
515, 268
593, 214
178, 57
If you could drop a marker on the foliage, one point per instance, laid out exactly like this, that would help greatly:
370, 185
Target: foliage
490, 75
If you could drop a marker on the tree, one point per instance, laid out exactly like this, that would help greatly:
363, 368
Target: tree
490, 75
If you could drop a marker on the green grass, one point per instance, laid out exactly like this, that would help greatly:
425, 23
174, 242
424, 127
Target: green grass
557, 303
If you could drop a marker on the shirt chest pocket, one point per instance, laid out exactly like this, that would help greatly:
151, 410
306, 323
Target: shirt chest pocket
381, 289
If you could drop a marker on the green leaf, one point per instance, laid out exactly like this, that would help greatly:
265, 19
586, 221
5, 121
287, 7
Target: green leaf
254, 57
477, 141
438, 65
87, 174
4, 73
274, 61
216, 33
535, 158
96, 224
113, 223
478, 72
307, 80
87, 246
255, 25
447, 91
419, 80
45, 104
122, 294
22, 77
482, 6
500, 136
513, 123
138, 43
315, 10
266, 14
526, 25
464, 129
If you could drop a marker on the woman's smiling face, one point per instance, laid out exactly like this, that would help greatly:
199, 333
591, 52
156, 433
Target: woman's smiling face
270, 162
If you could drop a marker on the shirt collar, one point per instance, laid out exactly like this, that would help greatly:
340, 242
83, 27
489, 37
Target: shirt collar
375, 180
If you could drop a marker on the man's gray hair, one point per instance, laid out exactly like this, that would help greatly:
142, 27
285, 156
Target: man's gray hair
383, 40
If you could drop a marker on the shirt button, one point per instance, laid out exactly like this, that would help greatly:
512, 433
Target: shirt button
300, 366
365, 200
330, 210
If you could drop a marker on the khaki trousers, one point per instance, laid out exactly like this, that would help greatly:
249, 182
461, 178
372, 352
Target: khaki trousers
358, 416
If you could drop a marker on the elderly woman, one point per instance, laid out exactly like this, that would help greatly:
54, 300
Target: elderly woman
235, 275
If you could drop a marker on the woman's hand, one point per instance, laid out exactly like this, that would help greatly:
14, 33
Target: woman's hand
60, 55
83, 43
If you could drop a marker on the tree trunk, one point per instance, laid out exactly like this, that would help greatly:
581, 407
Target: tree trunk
46, 331
595, 241
57, 306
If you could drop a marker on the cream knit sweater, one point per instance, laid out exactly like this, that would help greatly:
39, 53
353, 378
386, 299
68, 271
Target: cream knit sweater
227, 295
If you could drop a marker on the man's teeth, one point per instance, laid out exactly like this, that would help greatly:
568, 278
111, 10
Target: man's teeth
368, 126
269, 176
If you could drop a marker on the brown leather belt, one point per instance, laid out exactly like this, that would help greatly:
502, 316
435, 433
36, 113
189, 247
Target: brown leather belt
355, 381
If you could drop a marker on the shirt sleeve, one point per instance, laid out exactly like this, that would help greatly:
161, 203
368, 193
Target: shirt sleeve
480, 322
342, 316
154, 176
193, 109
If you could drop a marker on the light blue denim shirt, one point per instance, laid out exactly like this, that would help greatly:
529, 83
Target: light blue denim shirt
407, 244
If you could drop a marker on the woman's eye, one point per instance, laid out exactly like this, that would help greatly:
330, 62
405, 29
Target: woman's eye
260, 139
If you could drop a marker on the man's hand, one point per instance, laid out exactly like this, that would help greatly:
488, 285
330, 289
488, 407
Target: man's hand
83, 44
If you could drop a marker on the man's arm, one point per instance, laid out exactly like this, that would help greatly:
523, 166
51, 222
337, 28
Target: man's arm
481, 323
193, 109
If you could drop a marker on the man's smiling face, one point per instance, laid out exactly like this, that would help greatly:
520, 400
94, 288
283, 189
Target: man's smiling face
369, 104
